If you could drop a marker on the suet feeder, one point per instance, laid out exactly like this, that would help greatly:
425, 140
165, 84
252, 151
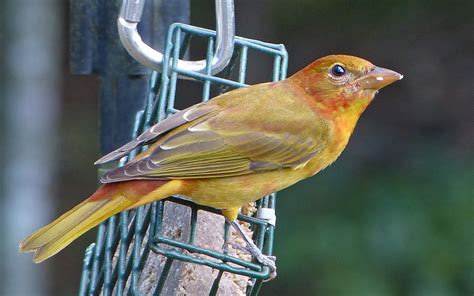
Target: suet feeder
130, 241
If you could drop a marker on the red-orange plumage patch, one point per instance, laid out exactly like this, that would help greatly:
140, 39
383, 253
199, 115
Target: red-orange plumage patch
131, 189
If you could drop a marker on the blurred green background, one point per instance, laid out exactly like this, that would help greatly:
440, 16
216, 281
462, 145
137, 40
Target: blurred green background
393, 216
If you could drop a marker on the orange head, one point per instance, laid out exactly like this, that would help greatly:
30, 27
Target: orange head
342, 83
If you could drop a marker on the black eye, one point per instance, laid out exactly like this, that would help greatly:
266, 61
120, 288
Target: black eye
338, 70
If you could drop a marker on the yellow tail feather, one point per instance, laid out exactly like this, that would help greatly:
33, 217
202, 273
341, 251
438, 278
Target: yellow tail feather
54, 237
109, 200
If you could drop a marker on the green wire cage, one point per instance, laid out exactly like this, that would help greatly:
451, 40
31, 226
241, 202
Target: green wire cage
114, 264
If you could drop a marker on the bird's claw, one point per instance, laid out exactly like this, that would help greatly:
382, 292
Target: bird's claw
270, 262
266, 260
252, 249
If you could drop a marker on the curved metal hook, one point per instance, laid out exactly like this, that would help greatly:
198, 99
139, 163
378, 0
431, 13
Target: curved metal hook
130, 15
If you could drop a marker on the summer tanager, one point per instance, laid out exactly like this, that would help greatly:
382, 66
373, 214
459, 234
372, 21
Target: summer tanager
232, 149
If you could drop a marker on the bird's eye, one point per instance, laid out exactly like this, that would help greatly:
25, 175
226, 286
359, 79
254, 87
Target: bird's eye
338, 70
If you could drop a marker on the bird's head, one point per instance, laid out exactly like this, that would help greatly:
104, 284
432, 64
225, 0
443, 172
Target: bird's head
341, 83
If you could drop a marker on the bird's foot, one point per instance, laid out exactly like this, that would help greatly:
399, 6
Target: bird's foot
255, 252
266, 260
252, 249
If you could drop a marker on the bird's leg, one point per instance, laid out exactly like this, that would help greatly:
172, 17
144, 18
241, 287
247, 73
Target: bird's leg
252, 248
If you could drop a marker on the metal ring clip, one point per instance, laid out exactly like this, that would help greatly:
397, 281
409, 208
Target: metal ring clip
130, 15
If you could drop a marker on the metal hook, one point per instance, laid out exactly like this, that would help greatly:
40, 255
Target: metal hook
130, 15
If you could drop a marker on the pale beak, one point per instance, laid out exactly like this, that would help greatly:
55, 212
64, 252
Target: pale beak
378, 78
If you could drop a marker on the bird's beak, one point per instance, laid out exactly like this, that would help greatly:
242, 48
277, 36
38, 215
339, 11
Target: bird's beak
378, 78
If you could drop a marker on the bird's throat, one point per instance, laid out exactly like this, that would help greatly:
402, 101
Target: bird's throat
343, 118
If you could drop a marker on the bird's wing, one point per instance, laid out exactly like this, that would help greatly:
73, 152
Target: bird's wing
156, 131
218, 146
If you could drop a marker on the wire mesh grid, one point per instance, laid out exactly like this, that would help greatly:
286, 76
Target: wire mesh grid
113, 265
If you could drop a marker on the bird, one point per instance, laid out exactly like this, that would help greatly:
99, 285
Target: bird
232, 149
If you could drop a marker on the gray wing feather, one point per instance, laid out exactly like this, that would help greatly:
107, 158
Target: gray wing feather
205, 154
153, 133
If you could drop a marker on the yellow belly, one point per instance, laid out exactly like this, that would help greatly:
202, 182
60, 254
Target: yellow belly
234, 192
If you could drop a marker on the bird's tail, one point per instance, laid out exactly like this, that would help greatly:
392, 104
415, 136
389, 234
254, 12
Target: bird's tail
107, 201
